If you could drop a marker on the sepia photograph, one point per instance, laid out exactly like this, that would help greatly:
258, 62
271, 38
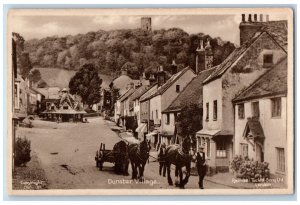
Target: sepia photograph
150, 101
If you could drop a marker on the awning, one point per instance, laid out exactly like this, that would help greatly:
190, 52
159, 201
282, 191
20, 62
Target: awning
207, 132
142, 128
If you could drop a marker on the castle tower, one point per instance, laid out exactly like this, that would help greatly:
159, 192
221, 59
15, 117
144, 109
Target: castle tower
200, 57
146, 23
209, 56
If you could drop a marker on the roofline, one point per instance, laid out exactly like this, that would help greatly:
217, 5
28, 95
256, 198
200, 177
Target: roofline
138, 96
270, 95
183, 72
258, 79
262, 32
172, 110
146, 92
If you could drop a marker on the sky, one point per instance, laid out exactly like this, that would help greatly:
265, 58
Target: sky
224, 26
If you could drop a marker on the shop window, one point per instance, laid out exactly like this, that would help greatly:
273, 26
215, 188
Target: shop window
221, 149
280, 159
276, 107
241, 111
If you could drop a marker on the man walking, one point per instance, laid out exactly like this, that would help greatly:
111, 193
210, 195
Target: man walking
201, 165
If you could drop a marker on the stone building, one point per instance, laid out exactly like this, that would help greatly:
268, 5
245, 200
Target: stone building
204, 56
237, 72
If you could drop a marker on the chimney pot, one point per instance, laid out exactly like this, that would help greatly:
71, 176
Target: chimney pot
267, 17
255, 17
243, 18
250, 18
161, 68
260, 17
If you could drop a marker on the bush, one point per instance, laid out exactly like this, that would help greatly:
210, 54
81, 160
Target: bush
252, 170
22, 151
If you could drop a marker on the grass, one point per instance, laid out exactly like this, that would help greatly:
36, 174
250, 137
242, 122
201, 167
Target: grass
56, 77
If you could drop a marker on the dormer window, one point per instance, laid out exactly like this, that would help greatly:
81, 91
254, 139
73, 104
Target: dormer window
268, 60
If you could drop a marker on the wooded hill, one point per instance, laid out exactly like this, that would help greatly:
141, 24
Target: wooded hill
134, 49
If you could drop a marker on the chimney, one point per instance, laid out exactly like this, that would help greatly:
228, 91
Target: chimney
255, 17
250, 18
267, 17
243, 18
152, 79
124, 72
260, 17
174, 67
161, 76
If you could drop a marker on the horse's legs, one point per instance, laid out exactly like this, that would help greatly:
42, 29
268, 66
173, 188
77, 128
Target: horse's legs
187, 175
176, 175
169, 174
164, 169
141, 172
126, 168
133, 170
160, 167
181, 185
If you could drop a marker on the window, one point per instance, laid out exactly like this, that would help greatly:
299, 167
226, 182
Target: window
255, 109
241, 111
65, 107
167, 119
215, 117
268, 60
208, 147
152, 115
244, 150
16, 95
280, 159
156, 113
276, 107
177, 88
207, 111
221, 149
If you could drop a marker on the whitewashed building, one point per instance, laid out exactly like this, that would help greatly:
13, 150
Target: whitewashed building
260, 131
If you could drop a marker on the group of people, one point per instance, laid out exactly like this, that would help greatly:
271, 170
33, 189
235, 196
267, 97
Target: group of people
200, 163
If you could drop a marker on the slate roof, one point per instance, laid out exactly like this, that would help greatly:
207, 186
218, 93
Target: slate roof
147, 95
192, 93
170, 82
235, 55
273, 82
139, 92
126, 94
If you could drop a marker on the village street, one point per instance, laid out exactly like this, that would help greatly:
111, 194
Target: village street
66, 152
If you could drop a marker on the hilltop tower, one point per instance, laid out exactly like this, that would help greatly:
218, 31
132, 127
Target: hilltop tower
209, 56
200, 57
146, 23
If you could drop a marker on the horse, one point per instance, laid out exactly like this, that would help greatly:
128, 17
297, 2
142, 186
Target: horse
180, 156
139, 155
120, 151
161, 159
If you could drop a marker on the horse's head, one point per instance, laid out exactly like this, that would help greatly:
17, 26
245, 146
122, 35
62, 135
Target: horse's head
145, 146
189, 146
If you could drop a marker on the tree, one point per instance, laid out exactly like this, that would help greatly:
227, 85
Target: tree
35, 76
190, 120
42, 84
87, 84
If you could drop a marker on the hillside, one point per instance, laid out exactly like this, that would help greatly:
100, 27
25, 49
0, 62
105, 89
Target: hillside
136, 49
55, 77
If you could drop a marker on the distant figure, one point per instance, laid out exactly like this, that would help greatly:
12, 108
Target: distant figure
161, 159
201, 166
85, 120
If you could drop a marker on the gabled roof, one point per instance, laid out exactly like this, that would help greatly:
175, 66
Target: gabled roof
235, 55
273, 82
139, 92
192, 93
126, 94
147, 95
170, 81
